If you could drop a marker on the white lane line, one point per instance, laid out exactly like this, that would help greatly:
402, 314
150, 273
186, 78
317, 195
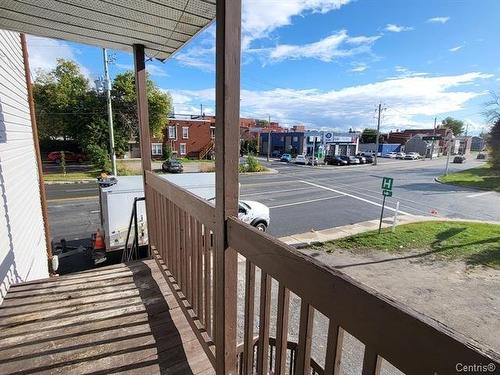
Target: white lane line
88, 189
479, 194
272, 192
355, 197
304, 202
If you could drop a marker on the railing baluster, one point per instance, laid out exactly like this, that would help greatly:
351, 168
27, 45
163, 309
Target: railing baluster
189, 258
249, 318
199, 270
371, 362
264, 318
282, 329
305, 336
194, 265
178, 245
334, 348
208, 292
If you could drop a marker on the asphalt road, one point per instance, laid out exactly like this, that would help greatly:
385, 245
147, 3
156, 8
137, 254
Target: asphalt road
302, 198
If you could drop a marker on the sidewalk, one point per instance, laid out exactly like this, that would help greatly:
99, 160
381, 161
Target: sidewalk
305, 239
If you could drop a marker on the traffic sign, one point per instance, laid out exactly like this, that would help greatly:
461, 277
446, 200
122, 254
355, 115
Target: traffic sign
387, 193
387, 183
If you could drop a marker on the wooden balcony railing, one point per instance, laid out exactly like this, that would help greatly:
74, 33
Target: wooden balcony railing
181, 234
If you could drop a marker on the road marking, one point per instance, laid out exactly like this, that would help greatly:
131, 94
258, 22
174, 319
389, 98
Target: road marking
88, 189
272, 192
479, 194
355, 197
304, 202
70, 199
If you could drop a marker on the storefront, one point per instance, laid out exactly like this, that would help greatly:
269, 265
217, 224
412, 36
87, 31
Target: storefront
341, 143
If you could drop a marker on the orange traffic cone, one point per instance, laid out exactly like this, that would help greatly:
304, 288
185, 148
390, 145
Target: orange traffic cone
99, 241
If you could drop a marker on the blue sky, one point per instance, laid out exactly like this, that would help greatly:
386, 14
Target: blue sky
328, 63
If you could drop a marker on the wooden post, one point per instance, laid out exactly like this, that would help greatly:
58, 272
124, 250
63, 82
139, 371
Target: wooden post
227, 103
143, 123
34, 130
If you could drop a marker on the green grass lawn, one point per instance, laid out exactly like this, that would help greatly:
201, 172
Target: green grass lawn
71, 176
484, 177
474, 243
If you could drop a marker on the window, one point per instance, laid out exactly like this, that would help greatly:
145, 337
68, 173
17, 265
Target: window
172, 133
295, 139
182, 148
185, 132
212, 132
156, 149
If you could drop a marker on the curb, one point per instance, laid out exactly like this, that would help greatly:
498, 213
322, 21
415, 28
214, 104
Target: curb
436, 179
69, 182
269, 171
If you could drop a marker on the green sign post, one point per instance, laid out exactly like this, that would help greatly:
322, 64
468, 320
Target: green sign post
387, 183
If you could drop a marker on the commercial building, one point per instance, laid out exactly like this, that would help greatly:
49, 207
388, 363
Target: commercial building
313, 143
341, 143
289, 142
477, 144
422, 147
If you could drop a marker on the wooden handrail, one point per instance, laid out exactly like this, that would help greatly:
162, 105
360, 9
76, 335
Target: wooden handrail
197, 207
414, 343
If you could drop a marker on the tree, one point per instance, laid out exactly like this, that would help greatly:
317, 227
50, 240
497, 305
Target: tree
125, 105
456, 126
59, 95
494, 144
370, 136
262, 123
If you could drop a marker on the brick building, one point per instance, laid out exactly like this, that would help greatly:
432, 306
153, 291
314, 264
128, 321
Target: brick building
193, 138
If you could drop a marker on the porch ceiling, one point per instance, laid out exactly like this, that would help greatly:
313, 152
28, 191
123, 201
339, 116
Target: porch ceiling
162, 26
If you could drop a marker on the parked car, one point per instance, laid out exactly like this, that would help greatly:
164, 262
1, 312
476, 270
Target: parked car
367, 153
172, 166
459, 159
286, 158
400, 155
300, 159
254, 213
69, 156
276, 154
390, 155
481, 155
362, 159
412, 156
334, 160
369, 159
350, 159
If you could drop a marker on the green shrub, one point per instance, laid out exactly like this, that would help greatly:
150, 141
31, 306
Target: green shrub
99, 157
252, 165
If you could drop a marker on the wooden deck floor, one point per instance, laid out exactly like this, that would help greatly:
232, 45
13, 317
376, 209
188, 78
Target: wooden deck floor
116, 319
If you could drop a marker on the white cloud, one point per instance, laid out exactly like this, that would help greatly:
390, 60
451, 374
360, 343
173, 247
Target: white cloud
358, 68
397, 28
442, 20
455, 49
332, 47
261, 17
44, 52
155, 70
409, 100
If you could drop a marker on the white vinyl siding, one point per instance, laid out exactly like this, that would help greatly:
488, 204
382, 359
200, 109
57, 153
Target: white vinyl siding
22, 239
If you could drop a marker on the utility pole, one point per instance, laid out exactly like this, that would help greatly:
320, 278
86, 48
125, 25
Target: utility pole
269, 139
201, 110
314, 150
107, 82
378, 135
433, 141
448, 157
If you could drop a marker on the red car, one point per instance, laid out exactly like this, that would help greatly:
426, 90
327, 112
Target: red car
69, 156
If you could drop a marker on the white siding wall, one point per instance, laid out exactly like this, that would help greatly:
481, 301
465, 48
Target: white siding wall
22, 241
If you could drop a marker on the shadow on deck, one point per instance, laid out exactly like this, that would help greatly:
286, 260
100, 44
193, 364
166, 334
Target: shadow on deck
118, 319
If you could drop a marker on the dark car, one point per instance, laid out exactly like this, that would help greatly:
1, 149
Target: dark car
276, 154
56, 156
369, 159
334, 160
172, 166
350, 159
459, 159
